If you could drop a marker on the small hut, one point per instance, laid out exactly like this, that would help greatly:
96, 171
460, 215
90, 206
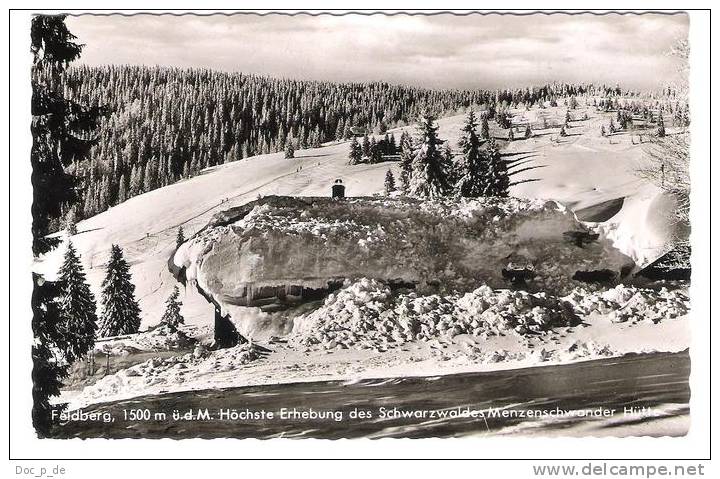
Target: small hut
338, 189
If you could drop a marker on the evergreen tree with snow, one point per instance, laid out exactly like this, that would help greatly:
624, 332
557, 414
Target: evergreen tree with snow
70, 222
389, 182
180, 238
77, 306
392, 144
472, 177
355, 154
485, 128
172, 316
429, 174
62, 135
497, 177
121, 313
375, 151
661, 127
366, 146
406, 157
289, 150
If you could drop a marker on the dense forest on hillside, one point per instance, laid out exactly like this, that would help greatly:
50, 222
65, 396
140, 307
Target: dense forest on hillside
168, 123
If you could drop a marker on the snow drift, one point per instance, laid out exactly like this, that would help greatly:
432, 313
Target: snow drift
282, 250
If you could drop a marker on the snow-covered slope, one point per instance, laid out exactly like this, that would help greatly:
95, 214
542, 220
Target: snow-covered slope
582, 170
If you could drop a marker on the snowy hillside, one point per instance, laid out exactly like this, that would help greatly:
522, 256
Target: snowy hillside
585, 171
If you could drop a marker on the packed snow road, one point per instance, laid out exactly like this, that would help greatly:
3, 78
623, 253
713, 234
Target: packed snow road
619, 396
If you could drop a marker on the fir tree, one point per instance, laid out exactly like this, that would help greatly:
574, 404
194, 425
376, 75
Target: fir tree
289, 150
121, 313
172, 316
472, 178
429, 175
63, 132
497, 178
366, 147
661, 127
485, 128
70, 222
392, 145
406, 158
389, 182
375, 152
77, 306
48, 370
180, 238
355, 154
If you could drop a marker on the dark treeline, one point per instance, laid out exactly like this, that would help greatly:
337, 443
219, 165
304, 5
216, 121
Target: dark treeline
169, 123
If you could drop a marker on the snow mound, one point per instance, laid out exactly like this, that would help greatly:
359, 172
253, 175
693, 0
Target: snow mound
624, 303
155, 373
284, 248
368, 315
160, 338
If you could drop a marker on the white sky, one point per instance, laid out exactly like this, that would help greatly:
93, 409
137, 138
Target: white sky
445, 51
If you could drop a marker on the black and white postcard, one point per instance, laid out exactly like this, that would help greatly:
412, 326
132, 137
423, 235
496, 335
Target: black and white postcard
362, 225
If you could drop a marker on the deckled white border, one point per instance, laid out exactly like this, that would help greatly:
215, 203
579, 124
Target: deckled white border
25, 445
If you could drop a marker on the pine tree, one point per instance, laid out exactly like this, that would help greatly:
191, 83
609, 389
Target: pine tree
661, 127
77, 306
172, 316
389, 182
70, 222
289, 150
55, 146
121, 313
392, 145
406, 158
429, 175
485, 128
355, 154
497, 180
366, 147
55, 125
375, 152
473, 175
180, 238
48, 370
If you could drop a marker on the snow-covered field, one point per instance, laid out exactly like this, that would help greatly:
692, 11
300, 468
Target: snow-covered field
590, 174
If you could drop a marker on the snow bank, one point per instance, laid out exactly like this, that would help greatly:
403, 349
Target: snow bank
169, 372
367, 315
286, 248
160, 338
